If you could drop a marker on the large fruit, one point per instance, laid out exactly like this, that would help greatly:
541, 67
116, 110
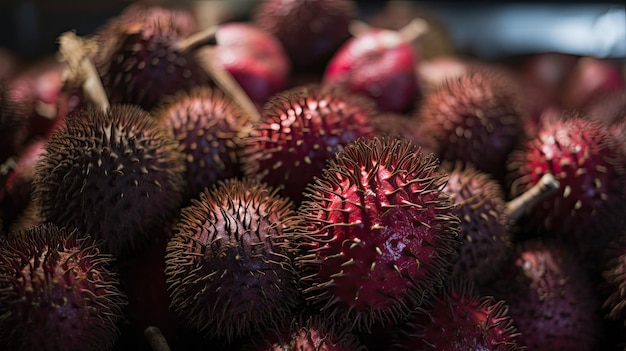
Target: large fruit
57, 292
380, 232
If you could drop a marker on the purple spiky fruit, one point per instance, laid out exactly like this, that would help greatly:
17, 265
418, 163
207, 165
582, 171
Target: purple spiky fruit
57, 292
477, 111
117, 175
482, 209
210, 128
229, 265
137, 58
550, 298
300, 130
458, 318
380, 232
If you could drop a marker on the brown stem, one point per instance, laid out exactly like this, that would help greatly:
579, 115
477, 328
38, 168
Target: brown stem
414, 29
203, 37
156, 339
226, 82
76, 52
546, 186
357, 27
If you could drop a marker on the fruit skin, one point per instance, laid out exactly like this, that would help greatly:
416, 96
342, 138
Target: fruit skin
300, 130
117, 175
210, 128
590, 78
309, 30
615, 278
589, 164
550, 297
481, 207
57, 292
229, 265
255, 58
136, 57
380, 64
459, 318
479, 110
379, 233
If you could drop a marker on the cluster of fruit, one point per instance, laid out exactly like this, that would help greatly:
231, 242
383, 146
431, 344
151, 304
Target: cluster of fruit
309, 179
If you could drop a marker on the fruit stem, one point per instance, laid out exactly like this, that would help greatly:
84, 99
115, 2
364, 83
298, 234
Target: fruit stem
546, 186
414, 29
156, 339
76, 52
203, 37
227, 83
357, 27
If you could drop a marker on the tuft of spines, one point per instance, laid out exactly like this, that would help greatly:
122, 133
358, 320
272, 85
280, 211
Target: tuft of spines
210, 128
380, 232
229, 265
615, 277
300, 130
57, 292
117, 175
459, 318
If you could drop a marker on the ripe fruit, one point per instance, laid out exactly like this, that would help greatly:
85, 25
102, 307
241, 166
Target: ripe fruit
210, 128
589, 164
550, 298
57, 292
591, 77
380, 232
309, 30
477, 111
116, 175
136, 57
459, 318
229, 265
300, 130
255, 58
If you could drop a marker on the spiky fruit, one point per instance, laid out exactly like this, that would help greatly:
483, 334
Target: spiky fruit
210, 128
57, 292
300, 130
459, 318
591, 77
137, 59
255, 58
117, 175
550, 298
615, 276
310, 30
589, 164
477, 111
229, 265
308, 332
380, 232
484, 232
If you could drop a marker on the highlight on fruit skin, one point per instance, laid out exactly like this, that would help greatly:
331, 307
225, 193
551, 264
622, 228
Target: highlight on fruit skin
300, 130
57, 292
229, 265
137, 59
117, 175
590, 165
459, 318
210, 128
380, 232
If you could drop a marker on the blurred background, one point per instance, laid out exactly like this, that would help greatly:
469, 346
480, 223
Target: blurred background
490, 30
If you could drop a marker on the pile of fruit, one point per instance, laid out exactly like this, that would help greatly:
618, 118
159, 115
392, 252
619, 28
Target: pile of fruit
309, 178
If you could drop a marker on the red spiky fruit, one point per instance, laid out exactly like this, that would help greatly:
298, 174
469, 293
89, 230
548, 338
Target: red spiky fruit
255, 58
210, 128
550, 298
458, 318
57, 292
589, 164
484, 232
300, 130
308, 332
309, 30
380, 64
477, 111
117, 175
229, 265
379, 233
137, 58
